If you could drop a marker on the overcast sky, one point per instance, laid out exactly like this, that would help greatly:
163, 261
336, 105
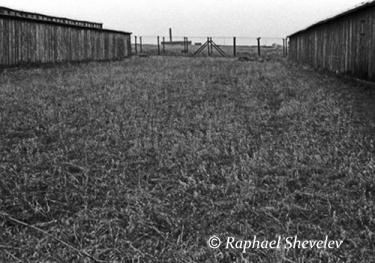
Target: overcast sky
271, 18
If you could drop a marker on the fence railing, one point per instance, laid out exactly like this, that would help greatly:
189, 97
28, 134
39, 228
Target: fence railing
210, 46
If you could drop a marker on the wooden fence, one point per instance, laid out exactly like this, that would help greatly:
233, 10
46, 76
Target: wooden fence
345, 44
26, 40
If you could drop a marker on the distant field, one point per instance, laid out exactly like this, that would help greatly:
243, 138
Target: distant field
143, 160
176, 50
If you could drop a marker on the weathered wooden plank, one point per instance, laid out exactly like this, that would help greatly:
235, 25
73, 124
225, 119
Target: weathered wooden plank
1, 42
346, 44
14, 43
23, 41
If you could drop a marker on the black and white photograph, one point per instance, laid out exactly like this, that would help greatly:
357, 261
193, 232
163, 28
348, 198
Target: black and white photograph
200, 131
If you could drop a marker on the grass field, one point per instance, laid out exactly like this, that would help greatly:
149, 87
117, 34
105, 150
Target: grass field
143, 160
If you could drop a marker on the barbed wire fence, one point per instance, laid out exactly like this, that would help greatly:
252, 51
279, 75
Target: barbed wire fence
218, 46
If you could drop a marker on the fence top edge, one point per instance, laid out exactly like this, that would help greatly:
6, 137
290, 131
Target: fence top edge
226, 37
9, 17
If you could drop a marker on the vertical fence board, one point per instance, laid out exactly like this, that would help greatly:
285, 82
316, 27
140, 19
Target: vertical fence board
1, 42
344, 45
24, 41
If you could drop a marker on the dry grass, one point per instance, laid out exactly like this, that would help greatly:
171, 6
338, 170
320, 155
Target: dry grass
143, 160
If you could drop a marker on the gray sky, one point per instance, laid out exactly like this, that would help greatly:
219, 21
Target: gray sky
271, 18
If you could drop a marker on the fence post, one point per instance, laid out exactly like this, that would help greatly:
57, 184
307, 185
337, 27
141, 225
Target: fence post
234, 46
186, 45
140, 45
163, 45
184, 51
259, 54
208, 46
158, 45
135, 45
286, 47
